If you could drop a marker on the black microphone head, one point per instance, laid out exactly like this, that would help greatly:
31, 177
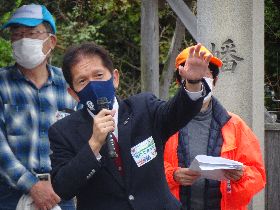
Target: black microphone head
103, 103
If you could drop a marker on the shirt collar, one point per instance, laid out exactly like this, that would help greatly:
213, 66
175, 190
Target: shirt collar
16, 73
53, 77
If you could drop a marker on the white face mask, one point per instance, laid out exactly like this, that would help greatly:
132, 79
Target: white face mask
210, 84
28, 52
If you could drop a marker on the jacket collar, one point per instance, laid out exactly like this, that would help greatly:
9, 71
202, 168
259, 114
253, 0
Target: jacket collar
220, 114
222, 117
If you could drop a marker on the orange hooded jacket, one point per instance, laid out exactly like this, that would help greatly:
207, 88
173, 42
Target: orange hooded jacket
239, 144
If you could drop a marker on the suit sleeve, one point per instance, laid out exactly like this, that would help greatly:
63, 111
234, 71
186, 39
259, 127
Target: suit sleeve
254, 178
170, 116
70, 171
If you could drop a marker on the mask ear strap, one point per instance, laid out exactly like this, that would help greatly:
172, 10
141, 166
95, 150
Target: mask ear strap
45, 41
47, 38
48, 51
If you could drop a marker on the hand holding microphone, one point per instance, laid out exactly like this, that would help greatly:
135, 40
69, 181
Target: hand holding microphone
104, 103
103, 127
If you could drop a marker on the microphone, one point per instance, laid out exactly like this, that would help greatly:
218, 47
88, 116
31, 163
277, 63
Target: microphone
103, 103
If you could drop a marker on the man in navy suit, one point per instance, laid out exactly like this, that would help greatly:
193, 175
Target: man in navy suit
140, 125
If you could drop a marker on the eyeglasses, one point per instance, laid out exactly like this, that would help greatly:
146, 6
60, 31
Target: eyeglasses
27, 34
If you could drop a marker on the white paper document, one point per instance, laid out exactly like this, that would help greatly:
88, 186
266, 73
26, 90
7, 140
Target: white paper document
212, 167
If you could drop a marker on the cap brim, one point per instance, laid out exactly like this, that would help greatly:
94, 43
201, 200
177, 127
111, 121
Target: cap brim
213, 60
23, 21
216, 61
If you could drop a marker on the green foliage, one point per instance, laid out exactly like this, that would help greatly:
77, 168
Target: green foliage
113, 24
173, 89
167, 22
272, 52
6, 9
6, 53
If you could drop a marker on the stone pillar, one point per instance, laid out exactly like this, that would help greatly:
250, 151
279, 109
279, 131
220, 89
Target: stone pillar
234, 31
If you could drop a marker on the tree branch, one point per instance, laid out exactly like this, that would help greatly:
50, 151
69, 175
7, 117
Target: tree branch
167, 72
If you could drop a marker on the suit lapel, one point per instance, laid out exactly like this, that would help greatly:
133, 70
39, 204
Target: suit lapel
124, 139
85, 131
85, 125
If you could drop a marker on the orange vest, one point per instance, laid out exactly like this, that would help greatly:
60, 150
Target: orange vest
239, 144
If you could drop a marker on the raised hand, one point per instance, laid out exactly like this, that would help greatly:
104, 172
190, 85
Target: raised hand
196, 65
185, 176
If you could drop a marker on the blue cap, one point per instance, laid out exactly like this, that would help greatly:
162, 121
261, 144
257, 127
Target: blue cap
31, 15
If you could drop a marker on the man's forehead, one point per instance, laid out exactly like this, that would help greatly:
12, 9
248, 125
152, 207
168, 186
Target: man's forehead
89, 63
93, 60
84, 63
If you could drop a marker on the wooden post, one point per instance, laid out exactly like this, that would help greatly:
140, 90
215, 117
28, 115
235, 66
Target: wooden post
150, 46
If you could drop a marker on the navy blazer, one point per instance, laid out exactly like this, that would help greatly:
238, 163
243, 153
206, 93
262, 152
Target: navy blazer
98, 184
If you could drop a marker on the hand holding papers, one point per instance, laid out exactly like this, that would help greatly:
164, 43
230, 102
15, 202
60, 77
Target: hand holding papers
213, 167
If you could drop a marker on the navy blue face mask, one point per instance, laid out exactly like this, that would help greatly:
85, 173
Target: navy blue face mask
97, 95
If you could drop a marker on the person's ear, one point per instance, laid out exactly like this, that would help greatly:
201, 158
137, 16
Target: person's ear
116, 78
73, 94
53, 41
